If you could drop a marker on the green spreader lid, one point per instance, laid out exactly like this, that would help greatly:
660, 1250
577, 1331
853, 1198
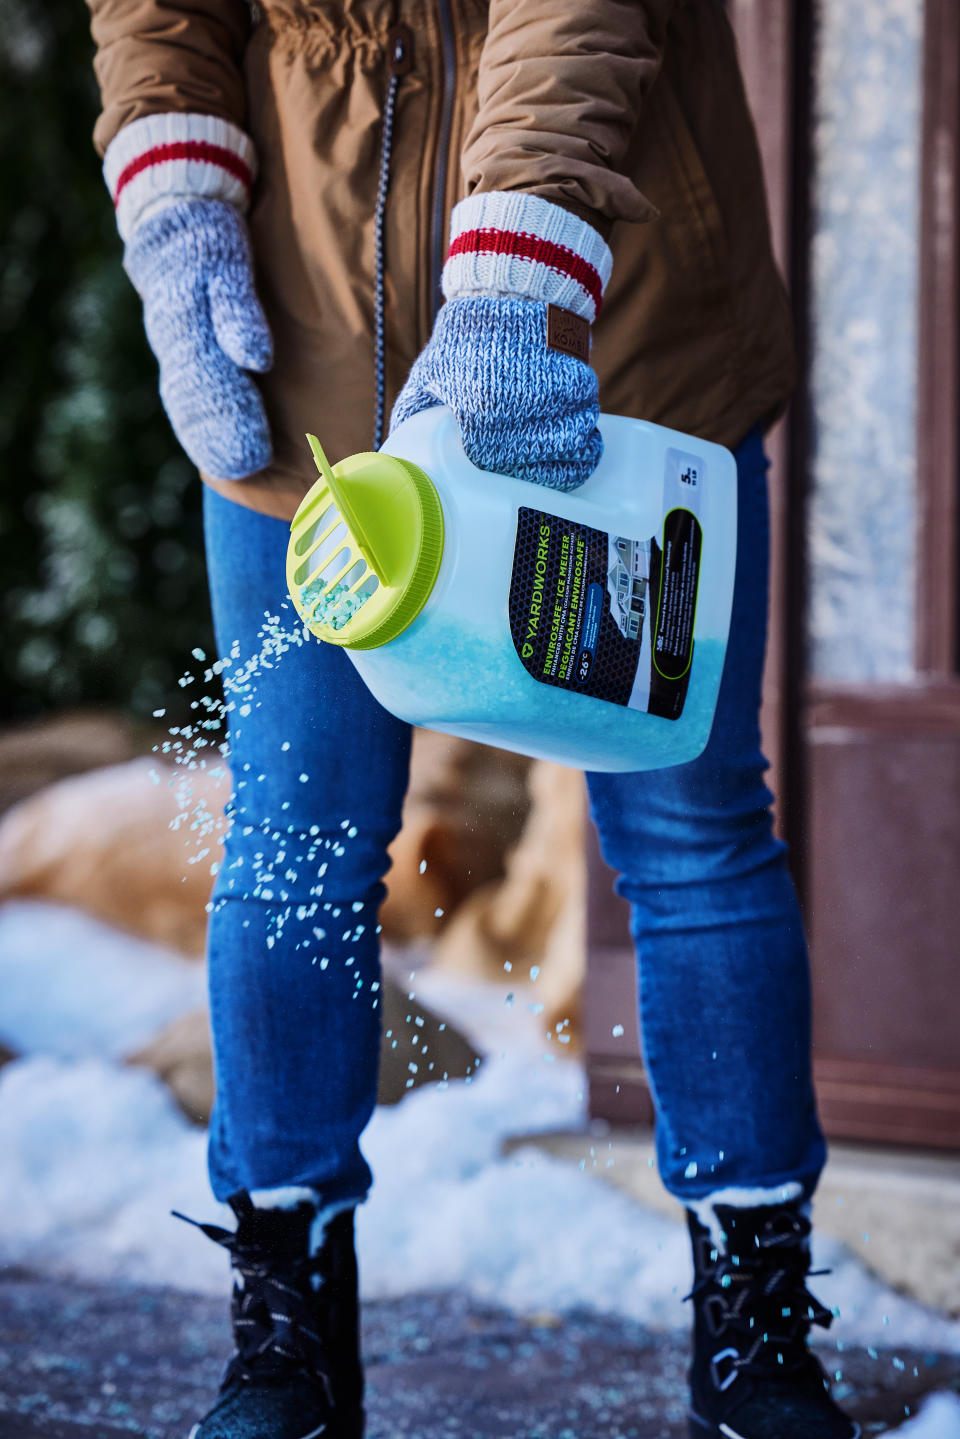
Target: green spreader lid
365, 549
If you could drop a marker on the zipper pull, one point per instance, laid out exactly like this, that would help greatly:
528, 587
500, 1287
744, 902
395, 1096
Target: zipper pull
399, 50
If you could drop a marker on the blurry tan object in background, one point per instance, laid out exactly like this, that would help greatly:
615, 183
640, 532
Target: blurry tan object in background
535, 915
134, 843
103, 842
413, 1035
465, 805
182, 1057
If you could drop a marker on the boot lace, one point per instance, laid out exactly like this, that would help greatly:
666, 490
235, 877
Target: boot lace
762, 1299
271, 1314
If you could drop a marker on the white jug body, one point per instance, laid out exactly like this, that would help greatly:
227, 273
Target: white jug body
545, 602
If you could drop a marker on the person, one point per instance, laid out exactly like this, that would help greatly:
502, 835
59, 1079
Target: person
332, 209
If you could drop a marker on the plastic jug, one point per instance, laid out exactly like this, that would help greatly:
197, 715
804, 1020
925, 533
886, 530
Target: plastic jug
588, 628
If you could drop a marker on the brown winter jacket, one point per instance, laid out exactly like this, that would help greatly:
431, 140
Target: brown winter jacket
630, 113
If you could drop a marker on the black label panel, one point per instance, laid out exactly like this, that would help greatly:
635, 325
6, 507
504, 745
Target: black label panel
677, 601
582, 602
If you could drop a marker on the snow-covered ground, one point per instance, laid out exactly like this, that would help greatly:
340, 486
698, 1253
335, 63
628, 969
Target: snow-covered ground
95, 1155
939, 1418
73, 987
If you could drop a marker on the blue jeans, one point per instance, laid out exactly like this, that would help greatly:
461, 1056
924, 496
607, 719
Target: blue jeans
320, 771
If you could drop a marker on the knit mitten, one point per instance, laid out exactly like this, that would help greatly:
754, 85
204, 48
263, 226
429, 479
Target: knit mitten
522, 275
179, 184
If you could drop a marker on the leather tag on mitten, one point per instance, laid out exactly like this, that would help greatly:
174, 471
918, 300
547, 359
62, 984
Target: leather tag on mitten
568, 333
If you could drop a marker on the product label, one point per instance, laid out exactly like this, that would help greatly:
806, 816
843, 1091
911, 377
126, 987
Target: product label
609, 616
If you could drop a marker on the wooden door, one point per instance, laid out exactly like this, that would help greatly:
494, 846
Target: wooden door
867, 776
883, 761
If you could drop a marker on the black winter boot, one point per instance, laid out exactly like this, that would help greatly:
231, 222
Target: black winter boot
752, 1375
296, 1373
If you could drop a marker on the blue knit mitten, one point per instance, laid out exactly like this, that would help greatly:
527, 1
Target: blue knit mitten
524, 407
179, 184
523, 410
191, 265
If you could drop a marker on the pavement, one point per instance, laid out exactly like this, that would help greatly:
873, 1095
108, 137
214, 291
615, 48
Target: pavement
79, 1361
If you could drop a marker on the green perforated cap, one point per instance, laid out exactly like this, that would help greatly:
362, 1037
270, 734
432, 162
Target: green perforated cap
365, 549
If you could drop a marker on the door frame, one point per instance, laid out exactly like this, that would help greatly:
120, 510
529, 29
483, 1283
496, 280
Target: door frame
827, 742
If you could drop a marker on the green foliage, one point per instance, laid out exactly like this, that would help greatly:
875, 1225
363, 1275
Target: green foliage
103, 593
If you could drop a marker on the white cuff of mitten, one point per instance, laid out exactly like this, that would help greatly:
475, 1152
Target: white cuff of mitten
507, 243
161, 159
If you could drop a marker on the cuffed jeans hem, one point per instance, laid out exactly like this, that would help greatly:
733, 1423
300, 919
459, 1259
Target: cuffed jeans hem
328, 1200
325, 1183
782, 1188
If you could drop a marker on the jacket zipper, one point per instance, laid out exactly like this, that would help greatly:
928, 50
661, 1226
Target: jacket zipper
438, 237
399, 63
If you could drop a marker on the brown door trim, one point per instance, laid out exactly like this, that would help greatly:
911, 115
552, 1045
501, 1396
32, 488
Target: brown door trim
929, 708
879, 1102
884, 911
938, 339
887, 1103
775, 42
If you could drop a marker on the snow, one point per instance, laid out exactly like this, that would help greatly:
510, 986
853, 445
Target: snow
938, 1419
96, 1154
96, 1158
73, 986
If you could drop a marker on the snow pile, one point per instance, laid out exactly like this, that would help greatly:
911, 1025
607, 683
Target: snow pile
97, 1154
532, 1232
73, 986
526, 1230
938, 1419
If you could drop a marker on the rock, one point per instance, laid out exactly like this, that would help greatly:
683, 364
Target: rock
134, 843
119, 843
535, 915
440, 1052
181, 1054
465, 805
